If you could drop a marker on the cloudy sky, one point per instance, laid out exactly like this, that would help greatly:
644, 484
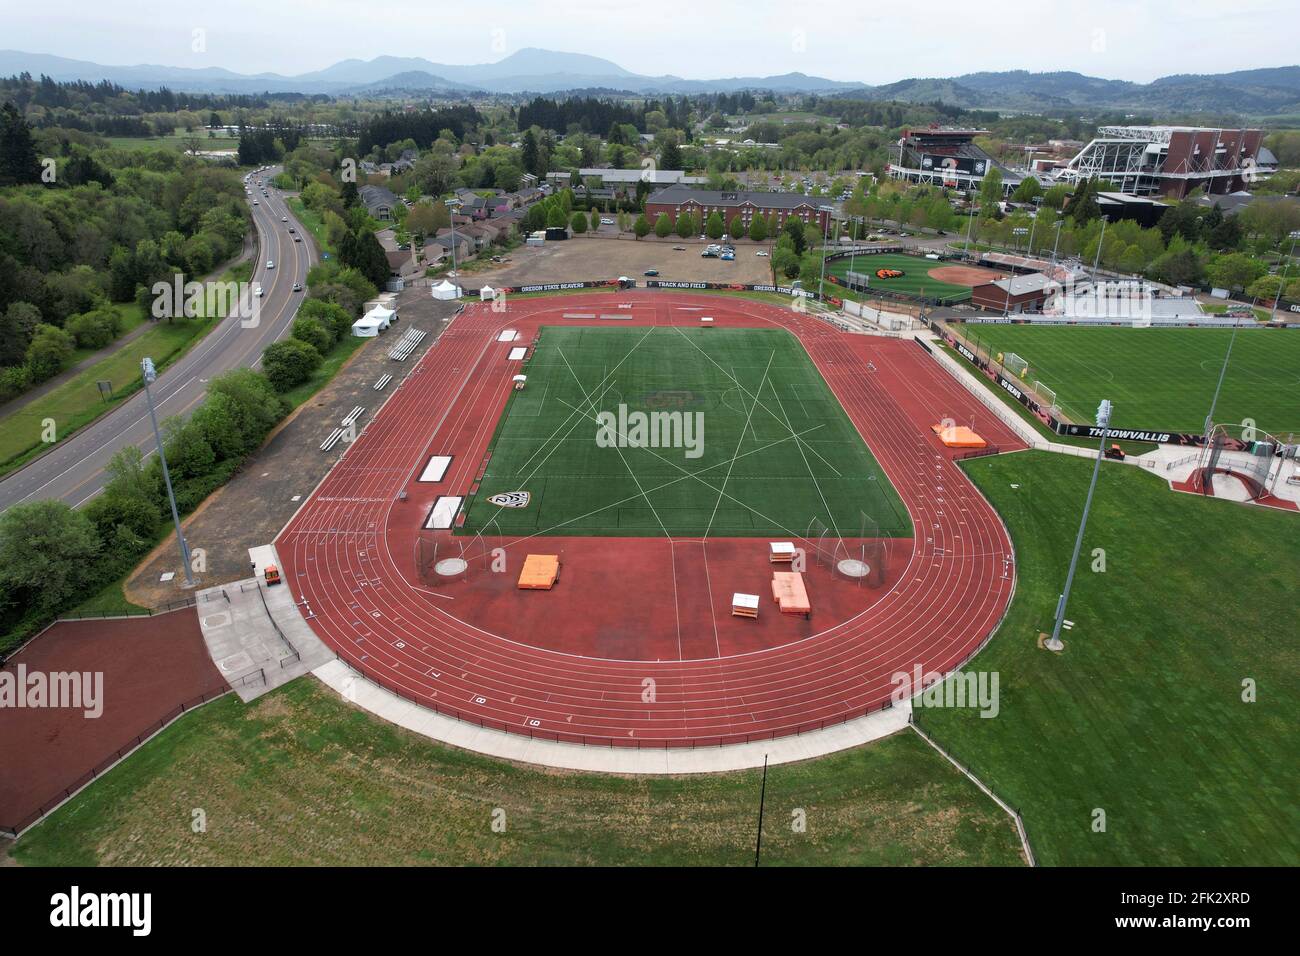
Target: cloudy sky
865, 40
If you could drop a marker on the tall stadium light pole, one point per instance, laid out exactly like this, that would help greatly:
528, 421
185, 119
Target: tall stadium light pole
1282, 283
1056, 245
1103, 421
452, 205
1223, 371
1096, 260
826, 234
1038, 205
970, 219
151, 376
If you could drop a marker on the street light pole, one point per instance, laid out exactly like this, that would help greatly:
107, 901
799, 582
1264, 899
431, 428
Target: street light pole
1055, 245
1103, 420
151, 376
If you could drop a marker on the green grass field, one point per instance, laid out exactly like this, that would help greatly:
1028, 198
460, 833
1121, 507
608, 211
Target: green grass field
915, 281
1141, 716
299, 778
1159, 378
773, 449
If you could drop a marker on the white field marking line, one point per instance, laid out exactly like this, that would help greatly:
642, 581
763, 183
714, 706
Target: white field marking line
825, 504
663, 527
747, 392
672, 481
748, 418
599, 385
581, 417
587, 400
742, 400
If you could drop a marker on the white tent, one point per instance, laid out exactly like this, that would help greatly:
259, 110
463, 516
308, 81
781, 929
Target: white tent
445, 290
486, 294
373, 322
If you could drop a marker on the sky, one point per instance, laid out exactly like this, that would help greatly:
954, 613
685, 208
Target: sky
863, 40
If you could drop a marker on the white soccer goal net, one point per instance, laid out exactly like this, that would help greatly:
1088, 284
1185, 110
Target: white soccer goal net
1015, 365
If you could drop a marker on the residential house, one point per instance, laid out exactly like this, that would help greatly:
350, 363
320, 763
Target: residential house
379, 202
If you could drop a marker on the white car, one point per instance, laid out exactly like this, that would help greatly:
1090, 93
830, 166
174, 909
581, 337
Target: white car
255, 202
270, 263
607, 222
761, 252
257, 291
284, 218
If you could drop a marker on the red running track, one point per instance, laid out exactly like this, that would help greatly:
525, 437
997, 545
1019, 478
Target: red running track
553, 664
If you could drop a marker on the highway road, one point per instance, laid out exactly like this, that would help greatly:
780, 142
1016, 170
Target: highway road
73, 471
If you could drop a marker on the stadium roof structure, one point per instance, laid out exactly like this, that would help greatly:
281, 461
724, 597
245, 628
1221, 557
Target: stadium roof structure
1170, 160
1023, 285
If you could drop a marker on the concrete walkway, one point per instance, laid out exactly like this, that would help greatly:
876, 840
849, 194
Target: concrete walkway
356, 689
256, 635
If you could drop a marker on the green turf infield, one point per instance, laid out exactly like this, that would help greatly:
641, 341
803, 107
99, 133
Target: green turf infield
1159, 379
915, 280
756, 444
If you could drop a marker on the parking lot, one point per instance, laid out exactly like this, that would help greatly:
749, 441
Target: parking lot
586, 257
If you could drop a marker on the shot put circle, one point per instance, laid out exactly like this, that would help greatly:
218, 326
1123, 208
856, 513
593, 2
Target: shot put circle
450, 567
853, 568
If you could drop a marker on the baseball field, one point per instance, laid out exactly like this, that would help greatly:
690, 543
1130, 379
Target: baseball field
670, 431
920, 277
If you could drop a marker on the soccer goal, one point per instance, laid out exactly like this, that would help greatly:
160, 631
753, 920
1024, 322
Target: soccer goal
1014, 364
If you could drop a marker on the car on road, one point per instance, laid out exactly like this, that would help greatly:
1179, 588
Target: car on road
679, 248
297, 238
297, 287
270, 263
292, 230
284, 218
651, 272
257, 291
607, 222
255, 202
761, 252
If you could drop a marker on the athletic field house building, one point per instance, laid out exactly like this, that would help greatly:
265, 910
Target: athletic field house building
677, 199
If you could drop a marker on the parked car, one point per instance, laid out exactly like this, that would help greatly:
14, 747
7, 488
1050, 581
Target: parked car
761, 252
679, 248
607, 222
651, 272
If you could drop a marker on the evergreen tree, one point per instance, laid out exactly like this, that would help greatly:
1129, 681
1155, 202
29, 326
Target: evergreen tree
18, 162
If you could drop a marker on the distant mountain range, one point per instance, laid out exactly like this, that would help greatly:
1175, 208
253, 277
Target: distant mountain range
1251, 92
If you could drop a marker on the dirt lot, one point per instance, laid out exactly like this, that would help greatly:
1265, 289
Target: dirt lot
252, 508
602, 257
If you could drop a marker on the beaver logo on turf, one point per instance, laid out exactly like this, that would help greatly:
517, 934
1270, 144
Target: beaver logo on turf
511, 499
890, 273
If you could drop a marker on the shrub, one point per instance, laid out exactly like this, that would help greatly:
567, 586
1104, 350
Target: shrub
289, 363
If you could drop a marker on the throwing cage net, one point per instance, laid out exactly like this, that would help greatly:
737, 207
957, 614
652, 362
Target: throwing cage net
1259, 460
